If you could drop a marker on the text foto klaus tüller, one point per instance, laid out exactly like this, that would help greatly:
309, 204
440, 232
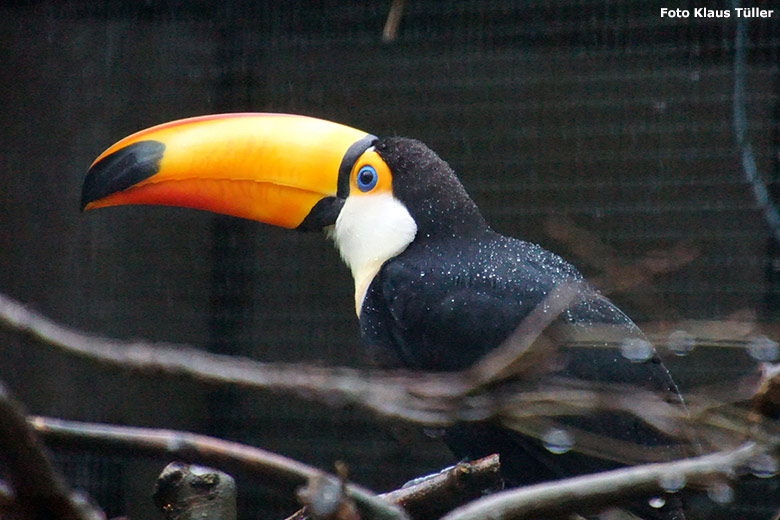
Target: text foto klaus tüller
705, 12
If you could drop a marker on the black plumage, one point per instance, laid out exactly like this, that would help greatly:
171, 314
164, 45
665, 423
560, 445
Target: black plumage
459, 289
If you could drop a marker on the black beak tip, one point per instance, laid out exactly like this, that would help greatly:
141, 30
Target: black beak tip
121, 169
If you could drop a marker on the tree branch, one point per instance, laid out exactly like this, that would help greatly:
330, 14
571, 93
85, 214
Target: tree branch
512, 356
190, 492
387, 393
432, 496
281, 472
438, 493
36, 488
390, 31
484, 392
594, 492
432, 399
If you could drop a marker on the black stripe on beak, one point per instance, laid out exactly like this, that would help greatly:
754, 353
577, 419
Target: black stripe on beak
120, 170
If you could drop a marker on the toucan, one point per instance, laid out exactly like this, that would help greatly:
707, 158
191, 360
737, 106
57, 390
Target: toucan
436, 289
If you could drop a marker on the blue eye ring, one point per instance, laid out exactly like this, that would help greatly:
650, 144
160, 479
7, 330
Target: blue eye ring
366, 178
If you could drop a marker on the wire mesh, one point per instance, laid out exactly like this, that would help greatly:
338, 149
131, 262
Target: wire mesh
572, 123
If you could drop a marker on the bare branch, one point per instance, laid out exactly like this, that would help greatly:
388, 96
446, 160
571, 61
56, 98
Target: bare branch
383, 392
527, 404
437, 399
280, 471
390, 31
171, 444
594, 492
511, 357
618, 274
37, 488
432, 496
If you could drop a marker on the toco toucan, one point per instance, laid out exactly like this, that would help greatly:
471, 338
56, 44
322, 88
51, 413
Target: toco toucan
435, 287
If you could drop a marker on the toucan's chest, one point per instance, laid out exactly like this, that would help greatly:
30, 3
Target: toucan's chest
443, 306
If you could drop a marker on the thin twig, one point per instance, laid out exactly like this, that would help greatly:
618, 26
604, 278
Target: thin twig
594, 492
38, 489
511, 357
390, 31
278, 470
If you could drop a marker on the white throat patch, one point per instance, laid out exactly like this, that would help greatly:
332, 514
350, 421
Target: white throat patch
371, 229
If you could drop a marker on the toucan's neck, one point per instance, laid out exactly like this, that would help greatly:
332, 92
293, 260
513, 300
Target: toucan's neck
369, 231
430, 190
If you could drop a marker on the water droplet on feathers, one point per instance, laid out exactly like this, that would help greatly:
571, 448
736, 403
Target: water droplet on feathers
636, 350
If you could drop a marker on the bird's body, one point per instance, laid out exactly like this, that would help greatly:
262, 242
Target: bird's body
459, 291
435, 288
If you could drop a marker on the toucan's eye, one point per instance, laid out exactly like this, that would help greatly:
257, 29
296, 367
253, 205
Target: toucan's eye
366, 178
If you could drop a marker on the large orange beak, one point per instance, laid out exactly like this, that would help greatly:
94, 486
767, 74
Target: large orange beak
286, 170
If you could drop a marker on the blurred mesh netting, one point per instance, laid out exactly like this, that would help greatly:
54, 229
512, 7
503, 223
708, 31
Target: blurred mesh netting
643, 149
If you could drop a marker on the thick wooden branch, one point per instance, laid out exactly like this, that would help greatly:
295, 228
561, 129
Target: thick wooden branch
191, 492
35, 488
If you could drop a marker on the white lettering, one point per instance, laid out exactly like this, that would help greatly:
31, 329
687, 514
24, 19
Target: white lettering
706, 12
753, 12
703, 12
674, 13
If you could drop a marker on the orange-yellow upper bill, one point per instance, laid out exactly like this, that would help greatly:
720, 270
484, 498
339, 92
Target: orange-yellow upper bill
273, 168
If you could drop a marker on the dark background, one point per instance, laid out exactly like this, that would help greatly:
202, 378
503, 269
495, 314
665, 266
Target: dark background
593, 120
